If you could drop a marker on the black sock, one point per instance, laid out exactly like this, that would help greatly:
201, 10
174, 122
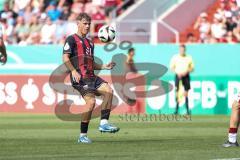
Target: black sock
105, 114
84, 127
187, 105
177, 105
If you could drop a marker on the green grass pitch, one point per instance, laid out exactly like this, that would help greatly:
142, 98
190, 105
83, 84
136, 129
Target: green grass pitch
27, 137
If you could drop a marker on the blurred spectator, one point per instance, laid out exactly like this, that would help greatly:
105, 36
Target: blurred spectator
234, 8
218, 28
236, 32
230, 24
48, 32
65, 13
27, 14
21, 30
191, 38
52, 11
98, 16
109, 5
91, 8
223, 8
36, 6
71, 26
20, 5
8, 14
98, 2
230, 38
8, 30
34, 30
60, 32
209, 39
78, 6
203, 26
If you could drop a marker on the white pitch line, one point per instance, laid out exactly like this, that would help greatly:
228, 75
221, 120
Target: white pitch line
227, 159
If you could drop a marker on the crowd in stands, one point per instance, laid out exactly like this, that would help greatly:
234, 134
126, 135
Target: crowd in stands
224, 26
49, 21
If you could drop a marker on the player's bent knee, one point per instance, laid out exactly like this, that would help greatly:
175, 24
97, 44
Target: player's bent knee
108, 89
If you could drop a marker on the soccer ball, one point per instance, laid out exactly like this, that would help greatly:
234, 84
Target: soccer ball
106, 33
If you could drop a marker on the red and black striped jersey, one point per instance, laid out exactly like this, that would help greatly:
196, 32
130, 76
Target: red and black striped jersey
81, 51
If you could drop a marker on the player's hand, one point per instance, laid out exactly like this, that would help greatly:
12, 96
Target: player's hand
110, 65
76, 76
3, 59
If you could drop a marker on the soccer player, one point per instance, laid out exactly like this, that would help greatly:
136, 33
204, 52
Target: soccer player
3, 52
234, 123
182, 65
130, 66
84, 80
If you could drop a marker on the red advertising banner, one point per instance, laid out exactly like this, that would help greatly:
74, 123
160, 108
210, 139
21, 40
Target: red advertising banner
33, 94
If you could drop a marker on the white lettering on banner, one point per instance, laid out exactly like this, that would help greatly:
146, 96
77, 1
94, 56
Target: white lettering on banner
2, 93
60, 98
8, 93
49, 97
172, 96
119, 100
129, 86
10, 89
156, 102
209, 97
202, 93
193, 95
233, 91
29, 93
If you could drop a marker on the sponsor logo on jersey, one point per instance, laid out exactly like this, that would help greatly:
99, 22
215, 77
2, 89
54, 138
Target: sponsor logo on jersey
66, 46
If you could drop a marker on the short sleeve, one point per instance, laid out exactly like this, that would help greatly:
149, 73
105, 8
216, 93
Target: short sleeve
173, 63
68, 47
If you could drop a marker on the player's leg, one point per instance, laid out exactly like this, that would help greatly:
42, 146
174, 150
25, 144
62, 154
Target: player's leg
86, 117
105, 90
186, 102
186, 84
177, 89
233, 126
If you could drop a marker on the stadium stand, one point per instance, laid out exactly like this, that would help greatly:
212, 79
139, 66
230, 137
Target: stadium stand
28, 22
50, 21
220, 23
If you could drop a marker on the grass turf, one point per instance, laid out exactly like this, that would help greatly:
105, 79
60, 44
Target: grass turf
25, 137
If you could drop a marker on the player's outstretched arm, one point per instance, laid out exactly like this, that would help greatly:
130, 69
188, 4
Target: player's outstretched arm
104, 66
